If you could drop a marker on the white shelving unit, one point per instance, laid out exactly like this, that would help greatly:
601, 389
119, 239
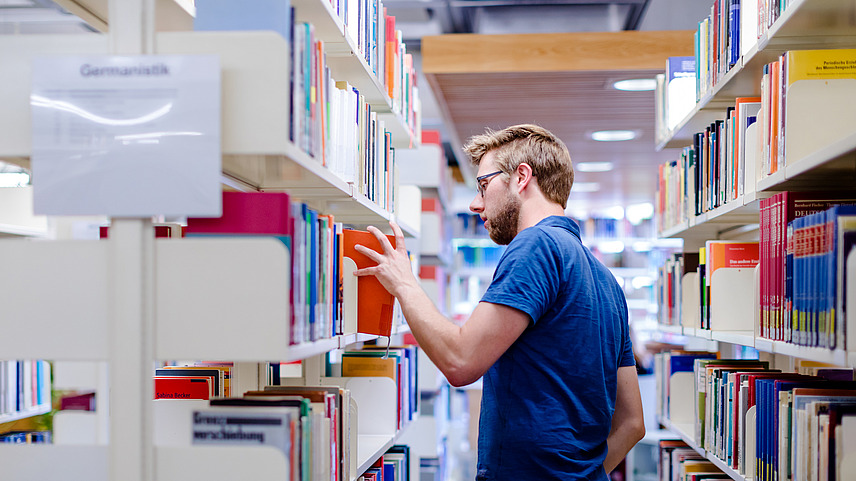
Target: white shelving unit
127, 301
806, 24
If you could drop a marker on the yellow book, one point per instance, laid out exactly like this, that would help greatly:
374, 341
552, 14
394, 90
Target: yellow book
359, 366
820, 64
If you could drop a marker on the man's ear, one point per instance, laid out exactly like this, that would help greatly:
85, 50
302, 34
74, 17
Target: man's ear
523, 176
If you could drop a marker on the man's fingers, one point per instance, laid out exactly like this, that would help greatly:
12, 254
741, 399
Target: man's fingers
399, 237
384, 241
368, 271
370, 253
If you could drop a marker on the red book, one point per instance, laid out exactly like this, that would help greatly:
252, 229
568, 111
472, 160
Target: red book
182, 388
375, 305
261, 213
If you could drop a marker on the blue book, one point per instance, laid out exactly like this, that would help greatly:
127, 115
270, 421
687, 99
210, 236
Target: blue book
733, 32
273, 15
843, 225
312, 277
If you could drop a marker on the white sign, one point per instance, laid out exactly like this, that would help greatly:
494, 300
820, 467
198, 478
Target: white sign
126, 136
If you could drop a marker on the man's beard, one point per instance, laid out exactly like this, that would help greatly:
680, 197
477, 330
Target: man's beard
503, 226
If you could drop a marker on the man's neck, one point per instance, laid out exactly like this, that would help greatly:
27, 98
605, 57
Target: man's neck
536, 210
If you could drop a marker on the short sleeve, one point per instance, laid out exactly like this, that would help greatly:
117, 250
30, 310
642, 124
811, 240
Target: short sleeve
527, 275
626, 358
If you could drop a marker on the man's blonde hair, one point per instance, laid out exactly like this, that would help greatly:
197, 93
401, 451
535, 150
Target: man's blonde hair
536, 146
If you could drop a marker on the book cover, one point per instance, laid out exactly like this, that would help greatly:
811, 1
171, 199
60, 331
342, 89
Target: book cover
376, 305
680, 89
215, 375
182, 387
368, 366
261, 213
265, 424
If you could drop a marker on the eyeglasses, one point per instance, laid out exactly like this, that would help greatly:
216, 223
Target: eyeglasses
483, 180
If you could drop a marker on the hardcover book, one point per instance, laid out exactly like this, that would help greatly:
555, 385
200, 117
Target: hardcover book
376, 305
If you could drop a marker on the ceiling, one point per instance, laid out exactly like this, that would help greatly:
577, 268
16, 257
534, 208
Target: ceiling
568, 89
571, 105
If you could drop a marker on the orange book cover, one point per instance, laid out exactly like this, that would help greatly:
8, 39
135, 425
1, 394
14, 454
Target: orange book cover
182, 387
731, 254
375, 304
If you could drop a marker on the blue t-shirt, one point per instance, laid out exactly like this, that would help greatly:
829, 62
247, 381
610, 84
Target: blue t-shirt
547, 403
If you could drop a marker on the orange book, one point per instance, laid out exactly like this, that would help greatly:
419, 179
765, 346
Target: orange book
375, 304
775, 89
731, 254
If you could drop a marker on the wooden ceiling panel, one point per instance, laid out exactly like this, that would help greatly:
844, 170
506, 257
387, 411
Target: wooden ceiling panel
572, 103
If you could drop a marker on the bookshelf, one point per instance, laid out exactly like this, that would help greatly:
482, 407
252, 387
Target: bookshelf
803, 25
131, 301
806, 24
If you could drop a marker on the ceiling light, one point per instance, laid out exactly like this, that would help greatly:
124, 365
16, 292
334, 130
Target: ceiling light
642, 246
593, 166
636, 213
613, 135
635, 84
14, 179
585, 187
615, 212
611, 247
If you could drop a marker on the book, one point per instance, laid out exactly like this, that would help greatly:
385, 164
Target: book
816, 82
272, 15
216, 376
182, 387
242, 423
680, 89
376, 305
247, 213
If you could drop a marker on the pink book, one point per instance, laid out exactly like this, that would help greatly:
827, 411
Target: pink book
247, 213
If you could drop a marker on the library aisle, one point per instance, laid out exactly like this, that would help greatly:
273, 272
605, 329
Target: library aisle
182, 184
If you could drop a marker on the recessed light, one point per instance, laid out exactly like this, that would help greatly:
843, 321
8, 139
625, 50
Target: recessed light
593, 166
585, 187
14, 179
613, 135
636, 213
611, 247
635, 84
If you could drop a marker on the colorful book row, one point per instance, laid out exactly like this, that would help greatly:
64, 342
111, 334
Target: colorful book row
24, 385
318, 246
729, 32
802, 278
330, 119
714, 256
713, 170
759, 136
767, 424
677, 461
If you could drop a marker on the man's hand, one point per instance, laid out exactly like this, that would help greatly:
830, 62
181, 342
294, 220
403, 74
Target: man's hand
393, 268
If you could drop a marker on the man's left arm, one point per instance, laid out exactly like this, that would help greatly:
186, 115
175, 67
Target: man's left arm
628, 425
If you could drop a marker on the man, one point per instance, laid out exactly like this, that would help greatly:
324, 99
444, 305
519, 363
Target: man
550, 336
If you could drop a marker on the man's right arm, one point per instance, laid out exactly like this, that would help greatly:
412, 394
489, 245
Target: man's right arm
462, 353
628, 425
